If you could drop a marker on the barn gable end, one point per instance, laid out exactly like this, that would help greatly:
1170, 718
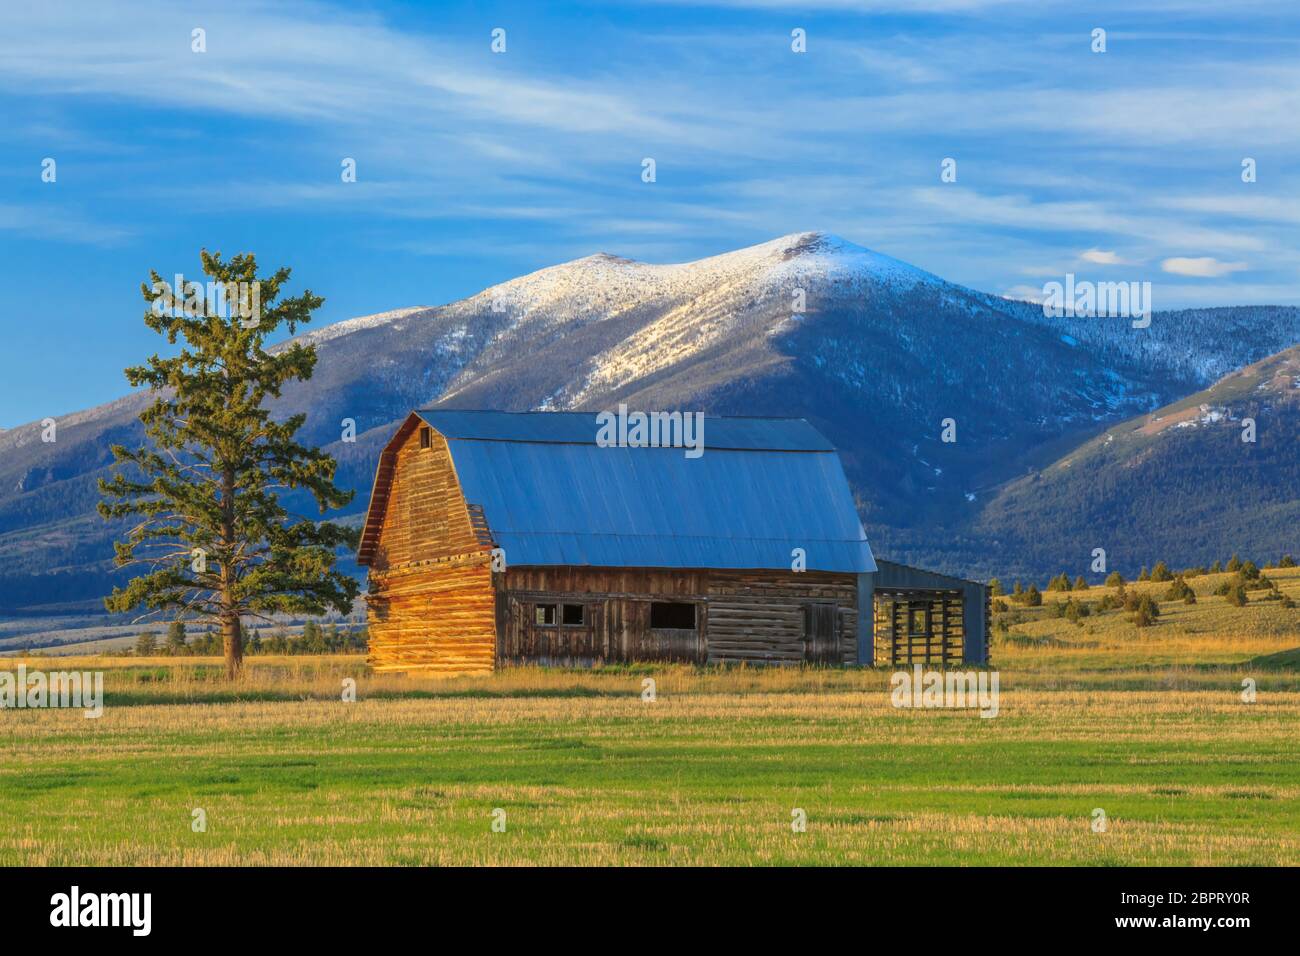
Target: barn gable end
430, 584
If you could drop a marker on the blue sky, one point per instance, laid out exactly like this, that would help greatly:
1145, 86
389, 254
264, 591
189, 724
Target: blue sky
474, 167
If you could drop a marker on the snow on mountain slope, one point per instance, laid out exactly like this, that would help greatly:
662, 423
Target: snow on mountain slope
603, 287
882, 354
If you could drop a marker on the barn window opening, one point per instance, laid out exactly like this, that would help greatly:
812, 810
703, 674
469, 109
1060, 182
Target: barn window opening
544, 614
920, 621
572, 614
672, 614
426, 437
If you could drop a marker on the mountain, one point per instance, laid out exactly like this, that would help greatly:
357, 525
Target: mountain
1179, 481
880, 356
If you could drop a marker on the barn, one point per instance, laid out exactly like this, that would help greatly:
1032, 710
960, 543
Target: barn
498, 538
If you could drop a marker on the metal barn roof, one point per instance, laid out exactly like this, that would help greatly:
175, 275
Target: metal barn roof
580, 428
551, 496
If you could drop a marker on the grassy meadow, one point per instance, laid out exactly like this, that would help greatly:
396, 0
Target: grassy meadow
1146, 724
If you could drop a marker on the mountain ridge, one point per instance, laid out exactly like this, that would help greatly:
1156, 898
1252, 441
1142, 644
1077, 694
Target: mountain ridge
881, 354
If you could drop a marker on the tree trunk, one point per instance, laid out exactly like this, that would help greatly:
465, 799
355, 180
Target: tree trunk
232, 637
232, 640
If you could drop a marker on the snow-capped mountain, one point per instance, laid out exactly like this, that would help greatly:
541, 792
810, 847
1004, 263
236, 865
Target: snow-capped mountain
876, 353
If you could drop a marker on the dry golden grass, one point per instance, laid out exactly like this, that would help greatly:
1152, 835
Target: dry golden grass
1149, 726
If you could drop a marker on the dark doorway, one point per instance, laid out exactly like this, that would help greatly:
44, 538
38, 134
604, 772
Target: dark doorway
821, 633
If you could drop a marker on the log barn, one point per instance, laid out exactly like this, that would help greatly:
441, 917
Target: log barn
496, 538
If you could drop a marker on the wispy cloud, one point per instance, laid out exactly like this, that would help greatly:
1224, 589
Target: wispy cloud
1203, 267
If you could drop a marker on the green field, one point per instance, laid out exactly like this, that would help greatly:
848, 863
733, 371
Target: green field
1147, 725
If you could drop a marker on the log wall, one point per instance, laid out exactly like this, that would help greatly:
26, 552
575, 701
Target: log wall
431, 600
759, 616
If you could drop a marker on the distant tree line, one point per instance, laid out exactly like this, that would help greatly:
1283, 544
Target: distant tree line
314, 639
1246, 577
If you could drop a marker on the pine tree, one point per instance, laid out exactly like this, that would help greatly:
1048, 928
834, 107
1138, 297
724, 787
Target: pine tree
995, 587
176, 638
313, 640
211, 531
146, 645
1080, 584
1234, 563
1115, 580
1161, 572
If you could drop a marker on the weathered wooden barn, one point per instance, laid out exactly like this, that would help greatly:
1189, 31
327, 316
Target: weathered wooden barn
495, 538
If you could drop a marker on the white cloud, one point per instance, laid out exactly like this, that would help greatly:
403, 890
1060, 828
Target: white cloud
1102, 257
1205, 267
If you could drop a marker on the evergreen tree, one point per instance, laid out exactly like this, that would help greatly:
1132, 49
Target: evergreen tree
211, 530
1144, 574
1161, 572
176, 645
313, 641
1216, 567
1032, 597
1080, 584
1234, 564
995, 587
1115, 580
146, 645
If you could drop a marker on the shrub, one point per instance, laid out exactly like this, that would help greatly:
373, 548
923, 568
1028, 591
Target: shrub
1032, 597
1115, 580
1179, 590
1216, 567
1075, 611
1144, 617
1161, 572
1286, 562
1288, 601
1237, 595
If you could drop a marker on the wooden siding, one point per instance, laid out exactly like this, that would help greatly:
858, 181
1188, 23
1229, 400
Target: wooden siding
757, 616
431, 601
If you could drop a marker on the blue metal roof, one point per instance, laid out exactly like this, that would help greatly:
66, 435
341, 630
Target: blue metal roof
766, 434
551, 496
